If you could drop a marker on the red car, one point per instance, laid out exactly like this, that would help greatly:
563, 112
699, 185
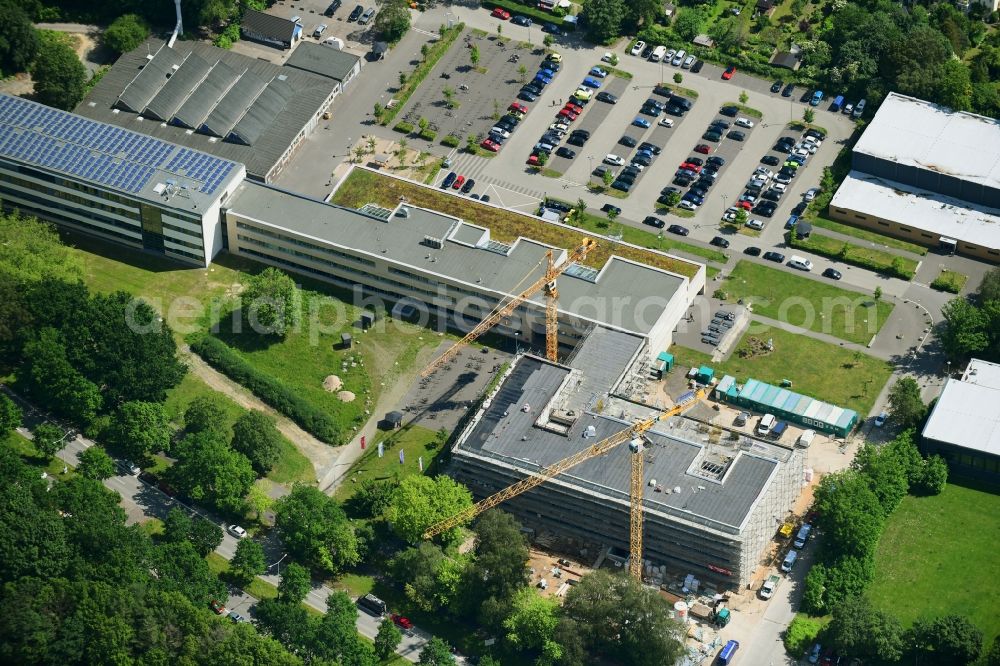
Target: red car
521, 108
403, 622
728, 74
458, 182
575, 108
693, 167
500, 14
533, 161
490, 145
218, 607
569, 114
703, 148
744, 204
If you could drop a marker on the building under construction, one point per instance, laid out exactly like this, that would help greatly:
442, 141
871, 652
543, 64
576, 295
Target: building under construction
712, 499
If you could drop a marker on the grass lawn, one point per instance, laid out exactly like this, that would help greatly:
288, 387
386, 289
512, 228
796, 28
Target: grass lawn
25, 448
745, 110
808, 303
354, 584
867, 235
153, 527
258, 587
817, 369
415, 441
291, 467
364, 186
950, 281
857, 255
602, 225
937, 556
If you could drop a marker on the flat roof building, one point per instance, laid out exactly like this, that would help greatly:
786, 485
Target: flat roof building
113, 183
964, 425
712, 503
450, 268
268, 29
326, 61
927, 174
239, 108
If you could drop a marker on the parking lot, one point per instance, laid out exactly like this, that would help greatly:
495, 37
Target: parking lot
357, 38
594, 116
482, 96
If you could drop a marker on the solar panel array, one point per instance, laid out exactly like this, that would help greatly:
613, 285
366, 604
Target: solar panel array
97, 152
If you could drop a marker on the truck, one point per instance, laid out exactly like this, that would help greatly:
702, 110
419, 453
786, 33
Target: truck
769, 586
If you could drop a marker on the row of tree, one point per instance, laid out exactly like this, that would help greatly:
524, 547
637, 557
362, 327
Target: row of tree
853, 505
971, 326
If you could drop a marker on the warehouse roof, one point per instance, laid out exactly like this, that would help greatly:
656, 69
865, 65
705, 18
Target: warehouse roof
680, 455
927, 136
323, 60
623, 294
257, 108
937, 214
774, 397
117, 159
966, 413
275, 27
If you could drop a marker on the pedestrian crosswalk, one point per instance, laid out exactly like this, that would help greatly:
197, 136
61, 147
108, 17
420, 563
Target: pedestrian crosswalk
473, 166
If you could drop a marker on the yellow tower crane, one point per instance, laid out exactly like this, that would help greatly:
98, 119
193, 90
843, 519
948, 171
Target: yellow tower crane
632, 434
504, 308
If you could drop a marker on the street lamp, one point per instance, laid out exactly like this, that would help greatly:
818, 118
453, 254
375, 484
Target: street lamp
591, 158
277, 571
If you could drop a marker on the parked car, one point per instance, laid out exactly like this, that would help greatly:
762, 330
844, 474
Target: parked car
729, 111
628, 141
752, 251
832, 273
218, 607
469, 184
789, 89
715, 137
609, 208
237, 531
881, 419
770, 160
355, 13
641, 122
736, 136
458, 183
654, 222
607, 97
449, 180
320, 29
527, 96
811, 193
744, 122
236, 617
665, 122
401, 622
776, 86
615, 160
592, 82
696, 67
702, 148
500, 13
651, 147
638, 48
367, 16
521, 20
678, 229
565, 152
332, 8
728, 74
490, 145
776, 257
719, 241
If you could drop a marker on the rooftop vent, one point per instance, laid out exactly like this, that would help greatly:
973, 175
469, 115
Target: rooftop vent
431, 241
403, 212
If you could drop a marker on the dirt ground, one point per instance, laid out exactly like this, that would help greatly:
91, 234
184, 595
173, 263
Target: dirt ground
88, 49
558, 573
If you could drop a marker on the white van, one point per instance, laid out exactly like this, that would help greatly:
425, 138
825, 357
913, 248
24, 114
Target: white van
806, 438
688, 62
800, 263
658, 53
678, 58
789, 561
765, 425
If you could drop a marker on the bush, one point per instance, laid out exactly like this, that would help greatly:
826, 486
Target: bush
949, 281
856, 255
801, 633
529, 11
269, 389
451, 141
126, 33
428, 134
403, 127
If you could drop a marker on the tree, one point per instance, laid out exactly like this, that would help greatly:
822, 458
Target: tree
741, 217
744, 97
887, 477
205, 413
449, 97
401, 151
373, 496
268, 302
139, 428
177, 525
548, 40
49, 438
125, 33
430, 579
500, 32
522, 73
964, 332
392, 21
993, 657
179, 568
500, 568
620, 618
951, 639
288, 623
814, 594
205, 535
387, 639
906, 407
678, 77
423, 123
603, 19
877, 294
849, 513
18, 39
248, 561
471, 143
532, 623
933, 477
989, 288
643, 11
808, 115
673, 198
861, 630
256, 437
436, 653
421, 501
315, 528
10, 415
207, 469
474, 56
607, 178
378, 111
689, 23
55, 382
33, 538
58, 74
295, 584
95, 463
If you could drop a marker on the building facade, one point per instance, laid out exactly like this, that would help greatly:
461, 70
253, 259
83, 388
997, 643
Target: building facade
111, 183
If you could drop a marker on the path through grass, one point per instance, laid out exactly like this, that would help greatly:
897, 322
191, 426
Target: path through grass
937, 556
811, 304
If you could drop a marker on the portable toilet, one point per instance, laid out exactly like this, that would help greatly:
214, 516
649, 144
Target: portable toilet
346, 340
722, 617
705, 375
658, 369
666, 358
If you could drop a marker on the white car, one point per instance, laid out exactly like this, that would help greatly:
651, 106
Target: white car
669, 55
764, 171
665, 122
499, 131
561, 127
805, 148
637, 49
811, 193
614, 159
687, 205
813, 140
743, 122
237, 531
779, 187
608, 57
557, 132
320, 29
802, 152
755, 224
730, 214
881, 419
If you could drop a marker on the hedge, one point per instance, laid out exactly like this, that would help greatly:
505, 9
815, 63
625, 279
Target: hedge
451, 141
949, 281
268, 388
404, 127
533, 13
885, 263
428, 135
420, 72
